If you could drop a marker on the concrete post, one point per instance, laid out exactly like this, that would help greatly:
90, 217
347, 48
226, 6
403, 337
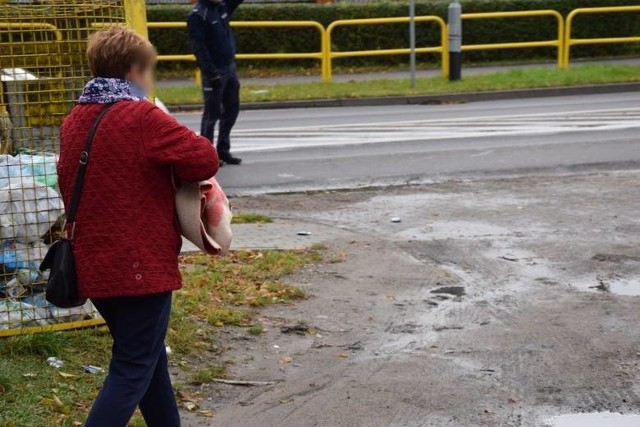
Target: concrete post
455, 40
412, 41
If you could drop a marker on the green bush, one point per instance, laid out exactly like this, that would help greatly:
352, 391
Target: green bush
263, 40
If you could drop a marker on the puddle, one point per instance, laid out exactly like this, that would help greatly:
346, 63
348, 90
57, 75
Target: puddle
626, 287
602, 419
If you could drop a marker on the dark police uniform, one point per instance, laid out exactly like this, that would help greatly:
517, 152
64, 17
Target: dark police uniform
214, 46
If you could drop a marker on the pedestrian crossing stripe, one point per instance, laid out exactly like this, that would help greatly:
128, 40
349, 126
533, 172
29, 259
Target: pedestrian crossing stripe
435, 129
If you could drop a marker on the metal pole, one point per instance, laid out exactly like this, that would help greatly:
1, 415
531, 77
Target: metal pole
412, 41
455, 41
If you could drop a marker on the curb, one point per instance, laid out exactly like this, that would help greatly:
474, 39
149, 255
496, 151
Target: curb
432, 99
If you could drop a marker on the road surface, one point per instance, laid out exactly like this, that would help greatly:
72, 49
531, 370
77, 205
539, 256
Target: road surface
349, 147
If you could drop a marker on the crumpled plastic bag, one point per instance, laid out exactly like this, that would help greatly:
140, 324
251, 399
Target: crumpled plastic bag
34, 310
17, 314
16, 256
41, 167
9, 167
74, 314
28, 209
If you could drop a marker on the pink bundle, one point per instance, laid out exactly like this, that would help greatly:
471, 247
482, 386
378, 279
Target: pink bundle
205, 216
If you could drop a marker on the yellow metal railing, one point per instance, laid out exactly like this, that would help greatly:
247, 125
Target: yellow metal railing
26, 26
33, 26
557, 43
568, 41
562, 43
75, 324
442, 49
256, 24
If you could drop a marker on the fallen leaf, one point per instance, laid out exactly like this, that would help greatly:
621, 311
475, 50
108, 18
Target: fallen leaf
342, 355
206, 413
512, 400
60, 407
2, 389
66, 375
56, 401
183, 396
190, 406
284, 360
287, 400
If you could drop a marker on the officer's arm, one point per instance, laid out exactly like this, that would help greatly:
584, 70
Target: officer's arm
198, 43
232, 5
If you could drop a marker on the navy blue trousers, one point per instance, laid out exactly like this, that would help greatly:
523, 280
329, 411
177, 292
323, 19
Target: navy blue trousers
138, 373
221, 103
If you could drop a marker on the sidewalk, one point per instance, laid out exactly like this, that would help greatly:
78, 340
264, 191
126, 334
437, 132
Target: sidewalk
395, 75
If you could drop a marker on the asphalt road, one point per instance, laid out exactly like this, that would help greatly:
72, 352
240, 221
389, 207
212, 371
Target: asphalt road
349, 147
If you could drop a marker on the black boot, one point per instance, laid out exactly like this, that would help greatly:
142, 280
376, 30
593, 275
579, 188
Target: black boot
229, 159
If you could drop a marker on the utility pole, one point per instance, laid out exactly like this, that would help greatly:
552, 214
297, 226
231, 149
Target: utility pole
455, 40
412, 41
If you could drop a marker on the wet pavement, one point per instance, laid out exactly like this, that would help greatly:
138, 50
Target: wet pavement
504, 301
351, 147
605, 419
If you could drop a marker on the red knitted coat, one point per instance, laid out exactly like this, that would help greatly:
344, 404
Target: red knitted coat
127, 239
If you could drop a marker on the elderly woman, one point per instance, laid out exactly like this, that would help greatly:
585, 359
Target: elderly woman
126, 239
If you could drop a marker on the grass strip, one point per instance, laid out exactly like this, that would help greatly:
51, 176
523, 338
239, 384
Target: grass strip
216, 292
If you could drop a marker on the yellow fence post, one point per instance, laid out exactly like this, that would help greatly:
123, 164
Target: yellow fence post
326, 48
135, 13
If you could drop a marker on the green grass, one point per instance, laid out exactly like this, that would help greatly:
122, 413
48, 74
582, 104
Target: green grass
250, 218
217, 291
514, 79
209, 373
257, 329
39, 395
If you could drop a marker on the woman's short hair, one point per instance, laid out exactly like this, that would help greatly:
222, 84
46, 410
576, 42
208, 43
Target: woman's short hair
113, 51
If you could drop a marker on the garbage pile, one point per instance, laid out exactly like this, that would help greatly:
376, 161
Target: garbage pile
30, 205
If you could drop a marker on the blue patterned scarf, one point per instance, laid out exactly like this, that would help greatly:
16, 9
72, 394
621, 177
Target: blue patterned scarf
102, 90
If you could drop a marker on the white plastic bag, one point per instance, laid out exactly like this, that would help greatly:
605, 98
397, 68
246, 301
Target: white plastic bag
28, 209
16, 314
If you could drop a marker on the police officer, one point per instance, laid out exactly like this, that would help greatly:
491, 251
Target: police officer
213, 44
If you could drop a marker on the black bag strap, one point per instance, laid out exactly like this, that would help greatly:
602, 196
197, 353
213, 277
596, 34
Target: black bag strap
82, 168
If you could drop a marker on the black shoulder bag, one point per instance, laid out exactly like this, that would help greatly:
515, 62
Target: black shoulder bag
62, 286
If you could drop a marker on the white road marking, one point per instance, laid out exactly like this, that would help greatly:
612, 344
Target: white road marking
529, 124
